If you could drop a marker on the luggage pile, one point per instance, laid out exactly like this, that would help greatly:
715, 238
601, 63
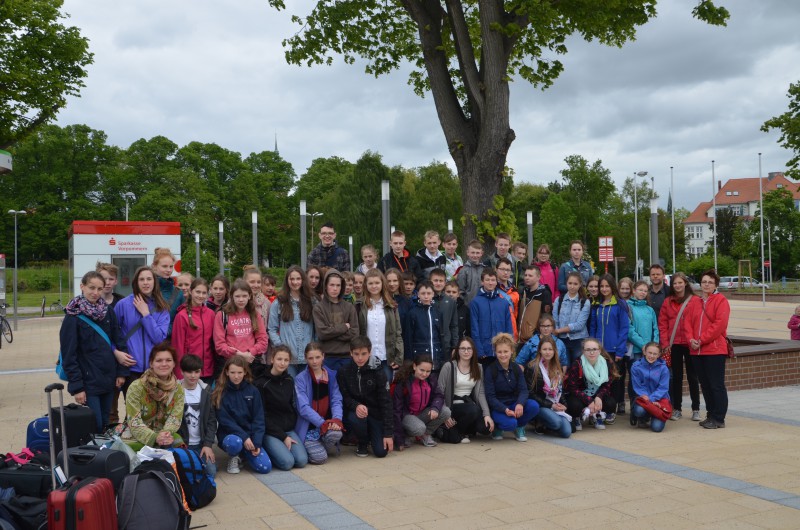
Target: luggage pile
68, 479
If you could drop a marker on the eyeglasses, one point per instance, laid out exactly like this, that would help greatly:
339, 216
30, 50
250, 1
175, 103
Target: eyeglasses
466, 349
327, 233
708, 282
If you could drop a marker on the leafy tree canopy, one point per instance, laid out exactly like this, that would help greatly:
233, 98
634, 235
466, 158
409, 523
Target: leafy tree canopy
788, 124
41, 63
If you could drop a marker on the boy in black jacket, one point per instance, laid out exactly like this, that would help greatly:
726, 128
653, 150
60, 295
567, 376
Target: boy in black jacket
366, 400
462, 309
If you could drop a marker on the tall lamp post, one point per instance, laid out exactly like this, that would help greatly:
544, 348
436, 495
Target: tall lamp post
16, 213
636, 216
197, 254
672, 211
312, 215
128, 196
714, 210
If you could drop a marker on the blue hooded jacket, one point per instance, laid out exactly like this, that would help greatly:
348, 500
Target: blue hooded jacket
644, 325
610, 323
241, 413
531, 349
424, 333
489, 315
651, 380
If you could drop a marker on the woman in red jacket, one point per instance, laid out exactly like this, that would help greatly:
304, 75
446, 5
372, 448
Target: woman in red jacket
193, 330
674, 341
705, 328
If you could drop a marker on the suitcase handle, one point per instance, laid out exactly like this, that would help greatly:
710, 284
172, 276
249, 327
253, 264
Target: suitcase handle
48, 390
82, 457
53, 386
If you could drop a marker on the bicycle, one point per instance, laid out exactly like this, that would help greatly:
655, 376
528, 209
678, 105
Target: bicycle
56, 306
5, 327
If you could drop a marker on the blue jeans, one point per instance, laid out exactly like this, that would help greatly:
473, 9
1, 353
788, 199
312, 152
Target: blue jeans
211, 467
283, 458
655, 425
554, 422
234, 446
507, 423
336, 363
101, 406
366, 430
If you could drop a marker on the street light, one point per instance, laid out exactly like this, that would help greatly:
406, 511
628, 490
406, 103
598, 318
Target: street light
672, 211
312, 215
636, 217
714, 209
16, 213
128, 196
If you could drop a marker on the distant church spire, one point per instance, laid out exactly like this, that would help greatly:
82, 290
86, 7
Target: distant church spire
276, 143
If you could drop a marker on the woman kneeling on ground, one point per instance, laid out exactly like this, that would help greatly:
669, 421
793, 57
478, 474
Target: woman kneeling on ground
588, 386
545, 378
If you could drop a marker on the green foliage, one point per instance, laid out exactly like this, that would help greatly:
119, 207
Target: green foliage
788, 124
527, 197
556, 227
726, 266
588, 191
209, 263
727, 222
323, 175
497, 220
785, 220
43, 63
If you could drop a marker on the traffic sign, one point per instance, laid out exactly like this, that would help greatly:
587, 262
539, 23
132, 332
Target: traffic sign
605, 251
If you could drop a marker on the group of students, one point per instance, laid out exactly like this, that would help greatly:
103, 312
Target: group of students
410, 347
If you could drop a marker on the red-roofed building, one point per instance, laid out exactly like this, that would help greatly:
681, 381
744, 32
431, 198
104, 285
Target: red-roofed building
741, 196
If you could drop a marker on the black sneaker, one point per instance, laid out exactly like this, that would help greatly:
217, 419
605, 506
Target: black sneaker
713, 424
634, 420
621, 409
705, 421
361, 450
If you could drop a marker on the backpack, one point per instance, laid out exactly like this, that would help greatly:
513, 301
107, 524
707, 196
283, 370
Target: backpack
198, 486
151, 498
561, 303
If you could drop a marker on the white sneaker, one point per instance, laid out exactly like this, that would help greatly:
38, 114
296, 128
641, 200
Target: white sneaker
233, 465
695, 415
465, 440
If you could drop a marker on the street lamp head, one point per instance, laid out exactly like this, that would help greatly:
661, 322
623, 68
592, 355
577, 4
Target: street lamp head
128, 196
641, 174
17, 212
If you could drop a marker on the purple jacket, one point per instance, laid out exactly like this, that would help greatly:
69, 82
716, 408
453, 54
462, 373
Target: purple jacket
153, 330
306, 415
400, 402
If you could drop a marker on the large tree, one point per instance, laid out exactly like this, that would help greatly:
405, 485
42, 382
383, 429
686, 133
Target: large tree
465, 53
41, 63
788, 124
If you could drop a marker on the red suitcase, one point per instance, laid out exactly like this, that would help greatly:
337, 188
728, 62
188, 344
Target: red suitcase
87, 504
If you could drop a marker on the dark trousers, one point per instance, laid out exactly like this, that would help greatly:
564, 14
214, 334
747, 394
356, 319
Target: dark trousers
469, 420
711, 374
681, 356
618, 386
574, 348
367, 430
575, 406
114, 416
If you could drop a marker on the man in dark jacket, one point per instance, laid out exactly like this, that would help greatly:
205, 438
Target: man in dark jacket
659, 290
328, 253
400, 258
366, 400
430, 257
449, 311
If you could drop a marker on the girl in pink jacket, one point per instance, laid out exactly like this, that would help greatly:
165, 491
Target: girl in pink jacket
794, 324
238, 328
193, 330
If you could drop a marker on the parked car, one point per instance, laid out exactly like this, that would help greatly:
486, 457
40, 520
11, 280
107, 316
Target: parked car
692, 282
732, 282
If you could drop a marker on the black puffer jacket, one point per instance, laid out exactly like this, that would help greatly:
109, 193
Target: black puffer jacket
367, 385
279, 400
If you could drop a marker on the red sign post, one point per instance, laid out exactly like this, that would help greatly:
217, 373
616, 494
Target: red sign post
605, 252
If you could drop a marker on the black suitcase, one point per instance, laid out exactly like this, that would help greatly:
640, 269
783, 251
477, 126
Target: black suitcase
32, 480
94, 461
81, 424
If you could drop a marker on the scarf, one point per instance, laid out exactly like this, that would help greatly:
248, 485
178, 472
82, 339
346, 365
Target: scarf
595, 375
81, 306
320, 390
552, 392
158, 390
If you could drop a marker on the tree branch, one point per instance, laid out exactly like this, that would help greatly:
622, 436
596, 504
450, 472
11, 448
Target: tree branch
466, 58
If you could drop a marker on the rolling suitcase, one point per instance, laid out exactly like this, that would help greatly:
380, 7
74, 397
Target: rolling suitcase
80, 422
38, 436
87, 504
94, 461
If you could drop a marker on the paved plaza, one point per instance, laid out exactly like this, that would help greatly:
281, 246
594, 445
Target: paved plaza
744, 476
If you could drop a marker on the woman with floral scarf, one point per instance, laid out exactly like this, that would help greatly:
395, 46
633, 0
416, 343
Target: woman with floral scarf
546, 382
155, 402
90, 340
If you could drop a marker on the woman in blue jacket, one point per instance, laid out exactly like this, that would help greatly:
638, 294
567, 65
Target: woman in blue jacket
240, 417
609, 323
290, 318
650, 380
90, 341
143, 320
571, 314
643, 329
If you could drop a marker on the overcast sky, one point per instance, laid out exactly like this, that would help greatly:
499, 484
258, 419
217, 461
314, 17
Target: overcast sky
683, 94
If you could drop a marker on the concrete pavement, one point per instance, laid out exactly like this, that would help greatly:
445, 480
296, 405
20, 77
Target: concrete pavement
744, 476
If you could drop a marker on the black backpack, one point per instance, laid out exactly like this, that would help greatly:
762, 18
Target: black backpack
151, 498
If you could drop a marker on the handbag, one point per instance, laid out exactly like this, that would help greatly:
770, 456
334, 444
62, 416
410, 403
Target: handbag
729, 344
660, 410
62, 374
